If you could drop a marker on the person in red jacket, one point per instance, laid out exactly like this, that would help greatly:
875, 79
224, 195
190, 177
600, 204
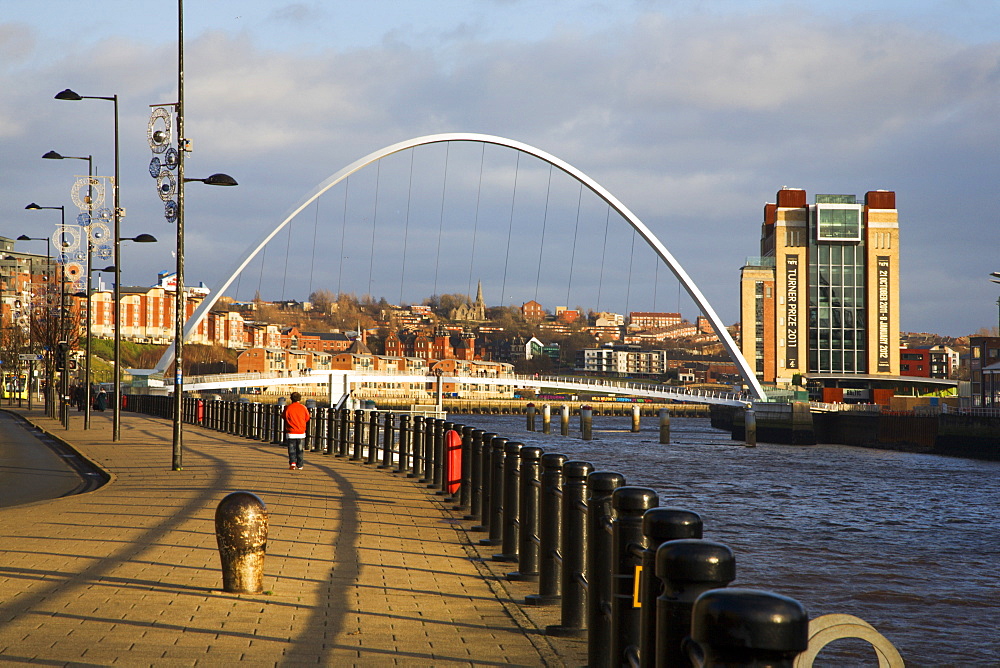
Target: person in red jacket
296, 417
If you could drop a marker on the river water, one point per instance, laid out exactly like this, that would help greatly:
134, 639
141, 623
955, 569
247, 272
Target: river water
908, 542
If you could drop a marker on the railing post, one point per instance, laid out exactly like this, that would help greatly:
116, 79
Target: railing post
465, 487
574, 550
476, 479
372, 454
359, 431
440, 428
345, 432
600, 514
659, 525
494, 511
630, 503
403, 463
686, 568
741, 628
528, 521
417, 446
511, 501
550, 528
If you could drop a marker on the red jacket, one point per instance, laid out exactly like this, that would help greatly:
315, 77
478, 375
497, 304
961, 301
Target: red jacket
296, 416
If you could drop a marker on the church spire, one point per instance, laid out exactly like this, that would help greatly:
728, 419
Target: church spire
479, 294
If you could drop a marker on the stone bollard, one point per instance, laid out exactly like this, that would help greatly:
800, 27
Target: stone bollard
600, 516
241, 532
550, 526
629, 544
528, 545
564, 420
531, 417
587, 423
741, 628
664, 426
659, 525
636, 416
574, 551
686, 568
750, 427
546, 419
510, 540
493, 510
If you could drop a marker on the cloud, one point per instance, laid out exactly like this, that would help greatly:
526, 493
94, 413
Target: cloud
693, 121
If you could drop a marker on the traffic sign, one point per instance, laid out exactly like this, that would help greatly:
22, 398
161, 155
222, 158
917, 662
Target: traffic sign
29, 357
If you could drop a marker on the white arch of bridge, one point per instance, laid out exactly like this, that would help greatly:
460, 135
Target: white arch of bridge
689, 285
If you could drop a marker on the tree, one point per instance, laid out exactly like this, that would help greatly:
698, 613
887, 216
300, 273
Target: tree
322, 300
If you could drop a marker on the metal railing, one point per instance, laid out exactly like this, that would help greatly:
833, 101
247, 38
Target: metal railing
638, 580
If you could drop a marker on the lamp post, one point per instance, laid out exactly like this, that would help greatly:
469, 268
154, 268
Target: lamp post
48, 280
52, 155
64, 378
180, 304
116, 421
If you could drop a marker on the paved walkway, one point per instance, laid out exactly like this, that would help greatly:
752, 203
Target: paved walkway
363, 567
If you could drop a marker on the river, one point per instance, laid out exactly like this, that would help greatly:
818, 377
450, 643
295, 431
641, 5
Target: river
908, 542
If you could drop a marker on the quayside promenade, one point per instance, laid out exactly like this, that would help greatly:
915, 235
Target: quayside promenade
363, 567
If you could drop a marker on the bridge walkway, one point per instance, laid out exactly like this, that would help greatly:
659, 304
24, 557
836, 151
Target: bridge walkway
363, 567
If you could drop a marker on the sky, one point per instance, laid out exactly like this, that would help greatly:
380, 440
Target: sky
692, 113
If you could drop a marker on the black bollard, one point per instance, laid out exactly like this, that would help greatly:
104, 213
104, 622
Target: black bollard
630, 504
550, 526
465, 488
403, 463
331, 430
600, 514
241, 533
417, 446
475, 478
574, 551
427, 452
278, 428
345, 432
372, 454
531, 417
743, 628
359, 434
387, 437
686, 569
511, 501
528, 552
441, 428
659, 525
485, 485
494, 513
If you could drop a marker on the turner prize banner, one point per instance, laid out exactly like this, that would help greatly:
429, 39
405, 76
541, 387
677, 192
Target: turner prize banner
882, 313
791, 311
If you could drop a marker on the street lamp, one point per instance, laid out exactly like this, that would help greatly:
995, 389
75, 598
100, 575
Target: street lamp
48, 281
180, 304
116, 429
53, 155
64, 378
